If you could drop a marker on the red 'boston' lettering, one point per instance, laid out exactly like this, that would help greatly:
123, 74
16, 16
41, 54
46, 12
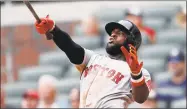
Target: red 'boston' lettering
87, 70
103, 70
97, 67
106, 69
118, 77
90, 68
111, 73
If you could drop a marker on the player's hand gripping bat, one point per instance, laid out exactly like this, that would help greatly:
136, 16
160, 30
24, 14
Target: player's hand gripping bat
27, 3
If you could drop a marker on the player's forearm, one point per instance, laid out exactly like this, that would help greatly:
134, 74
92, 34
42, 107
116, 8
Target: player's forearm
140, 93
140, 90
74, 52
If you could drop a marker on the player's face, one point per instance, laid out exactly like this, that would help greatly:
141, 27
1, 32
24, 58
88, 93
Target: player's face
31, 102
177, 68
74, 97
75, 103
115, 41
46, 92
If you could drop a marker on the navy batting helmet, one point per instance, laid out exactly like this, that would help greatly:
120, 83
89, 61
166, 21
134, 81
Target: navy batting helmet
133, 33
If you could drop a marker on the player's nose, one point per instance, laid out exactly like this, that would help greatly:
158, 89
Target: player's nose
113, 35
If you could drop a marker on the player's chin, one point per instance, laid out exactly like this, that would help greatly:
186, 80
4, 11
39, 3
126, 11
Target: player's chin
113, 49
110, 46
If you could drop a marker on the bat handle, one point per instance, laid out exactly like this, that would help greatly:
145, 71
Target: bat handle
49, 36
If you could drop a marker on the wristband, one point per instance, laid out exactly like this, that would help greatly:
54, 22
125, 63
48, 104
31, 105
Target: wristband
137, 80
136, 77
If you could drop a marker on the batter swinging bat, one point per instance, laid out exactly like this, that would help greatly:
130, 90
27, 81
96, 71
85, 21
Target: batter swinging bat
27, 3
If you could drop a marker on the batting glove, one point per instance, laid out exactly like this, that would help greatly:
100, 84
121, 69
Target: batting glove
45, 25
135, 67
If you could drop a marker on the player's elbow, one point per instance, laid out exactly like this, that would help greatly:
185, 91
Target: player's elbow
141, 98
140, 101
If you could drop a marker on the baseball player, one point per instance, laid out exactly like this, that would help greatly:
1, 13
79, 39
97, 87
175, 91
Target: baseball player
112, 81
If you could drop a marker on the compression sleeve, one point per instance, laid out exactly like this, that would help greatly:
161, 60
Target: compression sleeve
74, 52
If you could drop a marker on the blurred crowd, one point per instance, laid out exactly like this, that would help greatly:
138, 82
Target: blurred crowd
44, 96
170, 92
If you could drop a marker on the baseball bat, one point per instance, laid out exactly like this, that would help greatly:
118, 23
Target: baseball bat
27, 3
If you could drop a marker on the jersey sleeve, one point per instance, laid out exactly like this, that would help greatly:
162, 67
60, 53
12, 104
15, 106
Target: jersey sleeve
87, 56
147, 77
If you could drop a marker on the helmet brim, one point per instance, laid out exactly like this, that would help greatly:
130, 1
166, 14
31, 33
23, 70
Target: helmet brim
113, 25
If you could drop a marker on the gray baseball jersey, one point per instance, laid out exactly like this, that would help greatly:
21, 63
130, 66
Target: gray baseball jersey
105, 82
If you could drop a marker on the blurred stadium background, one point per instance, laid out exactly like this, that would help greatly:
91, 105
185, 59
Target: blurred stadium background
26, 56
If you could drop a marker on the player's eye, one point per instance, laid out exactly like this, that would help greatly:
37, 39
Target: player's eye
117, 32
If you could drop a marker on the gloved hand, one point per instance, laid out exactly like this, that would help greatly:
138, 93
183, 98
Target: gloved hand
45, 25
132, 60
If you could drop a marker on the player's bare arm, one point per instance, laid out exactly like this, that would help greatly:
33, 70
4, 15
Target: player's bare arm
74, 52
140, 89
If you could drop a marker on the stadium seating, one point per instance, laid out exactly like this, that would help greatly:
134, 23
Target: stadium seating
62, 96
184, 49
78, 29
34, 73
153, 65
161, 76
66, 84
173, 24
102, 27
155, 23
72, 72
13, 102
164, 11
172, 36
57, 58
88, 42
18, 88
161, 104
52, 58
110, 14
155, 51
63, 100
181, 103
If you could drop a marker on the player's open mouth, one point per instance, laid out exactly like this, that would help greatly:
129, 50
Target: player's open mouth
111, 41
